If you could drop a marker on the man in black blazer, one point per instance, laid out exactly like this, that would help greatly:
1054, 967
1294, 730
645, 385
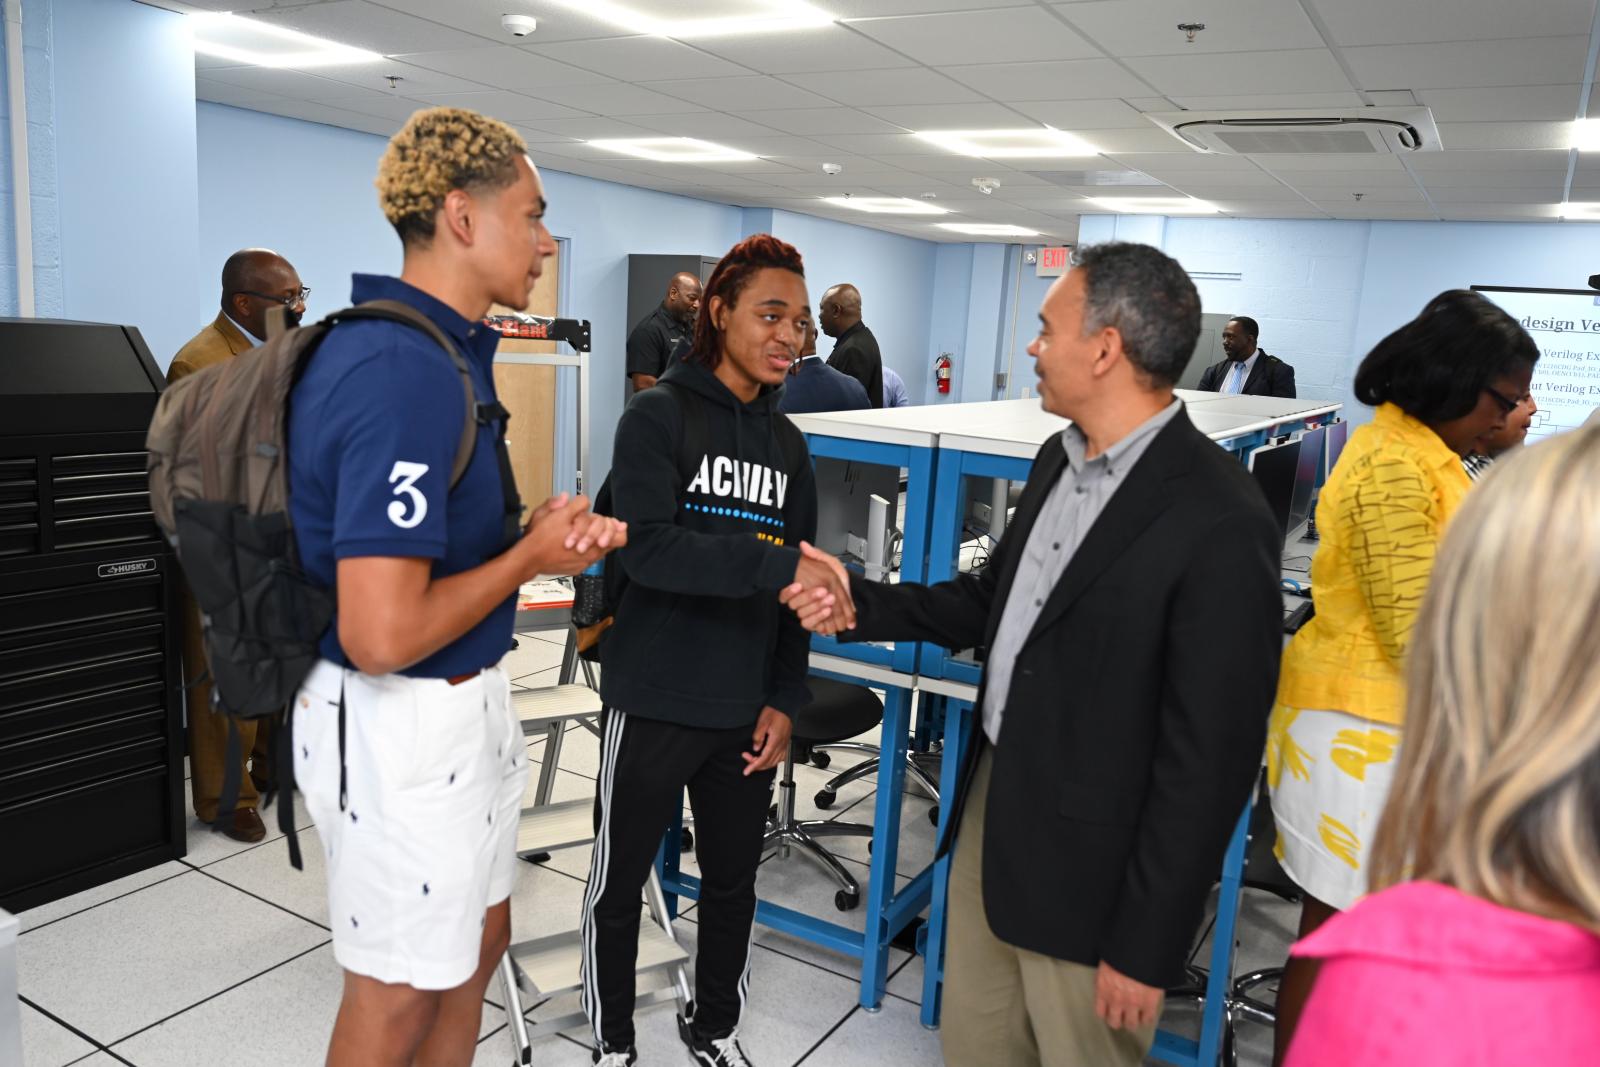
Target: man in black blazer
1260, 373
855, 349
1132, 619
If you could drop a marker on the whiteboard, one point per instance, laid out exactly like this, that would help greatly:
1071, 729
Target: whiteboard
1565, 324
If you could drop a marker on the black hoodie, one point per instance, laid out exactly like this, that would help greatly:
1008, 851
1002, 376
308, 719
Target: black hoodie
700, 638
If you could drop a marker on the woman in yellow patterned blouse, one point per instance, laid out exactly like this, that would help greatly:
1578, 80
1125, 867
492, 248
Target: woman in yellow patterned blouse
1439, 383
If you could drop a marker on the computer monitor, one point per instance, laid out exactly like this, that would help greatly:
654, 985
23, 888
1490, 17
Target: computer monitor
1275, 467
1306, 473
1338, 433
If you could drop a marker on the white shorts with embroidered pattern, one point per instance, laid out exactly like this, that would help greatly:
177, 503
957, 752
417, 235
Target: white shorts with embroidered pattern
425, 842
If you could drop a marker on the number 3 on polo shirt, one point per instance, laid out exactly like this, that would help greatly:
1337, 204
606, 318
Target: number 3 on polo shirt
404, 479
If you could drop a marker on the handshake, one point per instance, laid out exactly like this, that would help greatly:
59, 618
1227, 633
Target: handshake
820, 595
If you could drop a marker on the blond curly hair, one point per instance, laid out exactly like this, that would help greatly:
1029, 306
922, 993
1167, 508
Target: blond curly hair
441, 149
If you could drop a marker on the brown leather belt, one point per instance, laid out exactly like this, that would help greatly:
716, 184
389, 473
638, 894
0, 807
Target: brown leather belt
458, 679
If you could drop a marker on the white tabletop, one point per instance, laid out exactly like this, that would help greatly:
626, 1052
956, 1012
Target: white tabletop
917, 427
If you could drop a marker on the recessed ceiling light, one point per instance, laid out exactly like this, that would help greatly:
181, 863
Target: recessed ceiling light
1586, 135
987, 229
886, 205
262, 44
769, 16
1154, 205
673, 150
1010, 144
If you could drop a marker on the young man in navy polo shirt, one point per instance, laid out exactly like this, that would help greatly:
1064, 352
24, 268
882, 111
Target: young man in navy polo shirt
416, 792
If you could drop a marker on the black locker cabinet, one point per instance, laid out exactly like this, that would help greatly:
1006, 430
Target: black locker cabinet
91, 738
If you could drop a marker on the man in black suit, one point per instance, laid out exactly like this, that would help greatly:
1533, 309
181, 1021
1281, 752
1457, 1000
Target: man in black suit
1133, 621
855, 350
814, 386
1247, 369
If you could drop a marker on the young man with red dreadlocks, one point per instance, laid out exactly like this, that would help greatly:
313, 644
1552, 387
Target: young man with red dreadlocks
704, 669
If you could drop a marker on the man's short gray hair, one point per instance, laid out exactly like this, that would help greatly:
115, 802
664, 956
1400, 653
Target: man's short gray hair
1148, 298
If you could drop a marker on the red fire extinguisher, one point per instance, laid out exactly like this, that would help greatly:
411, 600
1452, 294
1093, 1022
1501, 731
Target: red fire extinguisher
941, 373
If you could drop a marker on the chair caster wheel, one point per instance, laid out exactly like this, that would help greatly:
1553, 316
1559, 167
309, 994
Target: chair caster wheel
686, 842
845, 900
933, 815
820, 760
825, 798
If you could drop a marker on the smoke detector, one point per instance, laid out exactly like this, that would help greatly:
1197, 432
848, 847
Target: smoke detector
986, 186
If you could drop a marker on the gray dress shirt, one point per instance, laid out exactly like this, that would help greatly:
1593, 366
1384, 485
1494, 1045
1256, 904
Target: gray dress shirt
1069, 512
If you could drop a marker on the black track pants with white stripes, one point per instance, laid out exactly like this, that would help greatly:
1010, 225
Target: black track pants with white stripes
644, 766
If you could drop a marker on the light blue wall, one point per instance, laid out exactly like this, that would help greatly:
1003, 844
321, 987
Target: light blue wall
895, 275
125, 151
988, 312
40, 105
952, 286
1326, 291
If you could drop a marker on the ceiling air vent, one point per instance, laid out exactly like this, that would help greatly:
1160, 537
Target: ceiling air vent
1359, 131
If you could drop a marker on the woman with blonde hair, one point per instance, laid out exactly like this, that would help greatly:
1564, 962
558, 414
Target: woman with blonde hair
1439, 384
1492, 955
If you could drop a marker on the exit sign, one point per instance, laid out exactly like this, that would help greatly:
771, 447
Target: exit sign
1053, 262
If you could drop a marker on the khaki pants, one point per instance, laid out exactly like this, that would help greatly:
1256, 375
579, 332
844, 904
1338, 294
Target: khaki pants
208, 732
1008, 1007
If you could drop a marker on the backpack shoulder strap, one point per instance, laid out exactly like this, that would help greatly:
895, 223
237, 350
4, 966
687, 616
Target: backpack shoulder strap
693, 443
395, 311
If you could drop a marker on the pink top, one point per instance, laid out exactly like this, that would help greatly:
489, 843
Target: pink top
1422, 975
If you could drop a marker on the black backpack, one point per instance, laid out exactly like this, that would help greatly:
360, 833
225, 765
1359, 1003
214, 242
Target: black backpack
218, 445
597, 593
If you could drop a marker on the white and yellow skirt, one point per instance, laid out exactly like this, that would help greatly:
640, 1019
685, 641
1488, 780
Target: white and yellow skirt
1329, 773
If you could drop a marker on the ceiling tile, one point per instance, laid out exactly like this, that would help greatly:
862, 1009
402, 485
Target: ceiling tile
1155, 163
1009, 35
618, 98
1149, 28
829, 120
1146, 139
505, 105
1470, 64
482, 17
949, 164
864, 88
1078, 79
291, 83
1550, 103
855, 167
711, 125
1494, 179
504, 67
1422, 162
234, 95
752, 93
1234, 179
1534, 194
372, 102
877, 144
367, 25
1257, 101
1351, 180
1511, 136
411, 79
1216, 193
1361, 22
1497, 212
828, 48
782, 146
640, 59
1368, 210
1081, 114
592, 128
1306, 70
977, 116
1334, 194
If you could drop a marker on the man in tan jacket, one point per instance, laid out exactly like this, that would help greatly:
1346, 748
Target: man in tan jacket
254, 280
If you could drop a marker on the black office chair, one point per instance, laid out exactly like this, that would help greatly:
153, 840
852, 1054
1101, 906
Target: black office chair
837, 710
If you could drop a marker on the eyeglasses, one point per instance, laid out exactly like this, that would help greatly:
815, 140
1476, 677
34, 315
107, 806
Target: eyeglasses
1506, 403
278, 298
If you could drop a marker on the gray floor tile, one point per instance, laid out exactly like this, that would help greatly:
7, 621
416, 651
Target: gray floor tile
118, 968
267, 873
300, 999
893, 1035
907, 982
530, 657
46, 1043
99, 1059
59, 909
